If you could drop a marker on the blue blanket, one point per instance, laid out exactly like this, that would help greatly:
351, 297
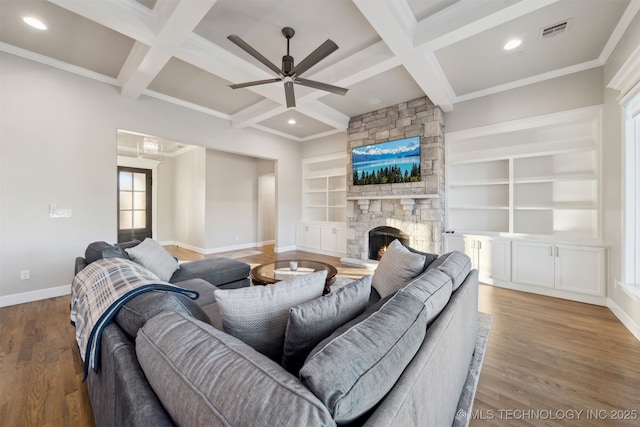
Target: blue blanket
98, 292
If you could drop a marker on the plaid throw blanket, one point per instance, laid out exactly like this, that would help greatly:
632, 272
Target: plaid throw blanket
98, 292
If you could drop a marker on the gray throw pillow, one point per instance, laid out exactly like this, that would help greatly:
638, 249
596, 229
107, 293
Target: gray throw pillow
456, 265
397, 266
258, 314
356, 366
151, 255
204, 377
311, 322
433, 288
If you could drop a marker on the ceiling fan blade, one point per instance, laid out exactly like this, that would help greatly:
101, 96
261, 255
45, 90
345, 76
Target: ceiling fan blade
257, 82
251, 51
322, 86
289, 94
324, 50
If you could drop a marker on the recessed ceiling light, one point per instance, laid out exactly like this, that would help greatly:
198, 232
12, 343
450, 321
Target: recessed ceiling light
292, 121
512, 44
374, 101
34, 22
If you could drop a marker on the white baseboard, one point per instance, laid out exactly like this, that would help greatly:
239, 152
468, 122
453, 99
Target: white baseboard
279, 249
265, 243
209, 251
627, 321
41, 294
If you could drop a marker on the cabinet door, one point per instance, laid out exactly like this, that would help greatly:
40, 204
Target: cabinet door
494, 259
580, 269
533, 263
309, 236
470, 244
453, 243
329, 239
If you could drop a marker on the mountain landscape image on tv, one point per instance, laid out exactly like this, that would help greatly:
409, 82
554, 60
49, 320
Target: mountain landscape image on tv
387, 162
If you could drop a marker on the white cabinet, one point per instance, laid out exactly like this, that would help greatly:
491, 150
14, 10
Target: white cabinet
533, 263
308, 236
333, 239
572, 268
330, 239
490, 256
580, 269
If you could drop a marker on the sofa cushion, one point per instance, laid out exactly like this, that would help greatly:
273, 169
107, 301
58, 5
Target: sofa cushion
454, 264
433, 288
312, 321
397, 266
217, 271
357, 365
204, 377
151, 255
134, 314
258, 315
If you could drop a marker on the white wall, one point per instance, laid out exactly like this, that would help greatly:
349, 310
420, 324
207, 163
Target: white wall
165, 185
560, 94
189, 200
58, 144
231, 200
336, 143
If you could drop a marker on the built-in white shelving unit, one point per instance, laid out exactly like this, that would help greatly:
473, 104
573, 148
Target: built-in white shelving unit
524, 202
324, 191
537, 176
324, 204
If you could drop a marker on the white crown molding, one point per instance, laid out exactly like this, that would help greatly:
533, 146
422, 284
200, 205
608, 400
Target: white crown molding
628, 77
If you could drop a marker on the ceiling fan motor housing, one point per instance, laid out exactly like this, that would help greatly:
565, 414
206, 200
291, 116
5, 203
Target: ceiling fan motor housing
287, 65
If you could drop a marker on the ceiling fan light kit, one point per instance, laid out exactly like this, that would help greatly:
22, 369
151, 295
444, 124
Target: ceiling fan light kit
289, 73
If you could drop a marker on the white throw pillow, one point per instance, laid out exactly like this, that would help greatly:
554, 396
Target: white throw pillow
151, 255
397, 266
258, 315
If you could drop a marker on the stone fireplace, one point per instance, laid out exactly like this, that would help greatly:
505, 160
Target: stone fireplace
416, 209
380, 237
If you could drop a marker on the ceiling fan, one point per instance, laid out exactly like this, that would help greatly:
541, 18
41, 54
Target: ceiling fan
290, 74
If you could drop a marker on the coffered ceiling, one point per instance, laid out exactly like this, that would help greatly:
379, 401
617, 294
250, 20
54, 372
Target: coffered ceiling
390, 51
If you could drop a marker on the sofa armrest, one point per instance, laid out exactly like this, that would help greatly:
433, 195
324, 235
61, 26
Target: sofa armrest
80, 264
120, 393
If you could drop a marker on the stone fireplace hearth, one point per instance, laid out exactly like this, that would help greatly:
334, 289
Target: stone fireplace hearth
416, 208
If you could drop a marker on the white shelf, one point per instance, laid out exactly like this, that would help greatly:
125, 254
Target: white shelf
324, 189
532, 177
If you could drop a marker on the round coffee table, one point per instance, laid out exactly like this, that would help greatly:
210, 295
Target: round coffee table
267, 274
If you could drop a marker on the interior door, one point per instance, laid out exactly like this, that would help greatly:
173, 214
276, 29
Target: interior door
134, 204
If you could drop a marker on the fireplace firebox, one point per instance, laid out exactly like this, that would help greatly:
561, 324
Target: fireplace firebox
380, 237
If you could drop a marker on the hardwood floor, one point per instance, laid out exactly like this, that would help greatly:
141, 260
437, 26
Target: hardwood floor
547, 360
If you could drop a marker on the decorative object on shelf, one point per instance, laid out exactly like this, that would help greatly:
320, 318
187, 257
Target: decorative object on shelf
290, 74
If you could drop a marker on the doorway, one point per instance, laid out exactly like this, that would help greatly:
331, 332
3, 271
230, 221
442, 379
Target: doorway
134, 204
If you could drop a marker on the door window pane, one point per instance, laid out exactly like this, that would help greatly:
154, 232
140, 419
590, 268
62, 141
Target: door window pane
126, 181
139, 219
126, 220
126, 200
139, 182
139, 200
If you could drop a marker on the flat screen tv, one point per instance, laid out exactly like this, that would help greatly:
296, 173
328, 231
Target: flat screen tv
387, 162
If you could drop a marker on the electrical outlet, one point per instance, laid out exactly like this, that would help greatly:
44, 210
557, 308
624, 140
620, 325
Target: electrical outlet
24, 275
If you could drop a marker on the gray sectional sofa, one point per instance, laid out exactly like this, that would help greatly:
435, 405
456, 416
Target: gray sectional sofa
403, 361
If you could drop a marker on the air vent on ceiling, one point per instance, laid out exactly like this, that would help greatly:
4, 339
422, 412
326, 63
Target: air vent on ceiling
555, 29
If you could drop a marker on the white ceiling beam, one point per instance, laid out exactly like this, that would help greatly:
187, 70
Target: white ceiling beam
389, 19
175, 21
